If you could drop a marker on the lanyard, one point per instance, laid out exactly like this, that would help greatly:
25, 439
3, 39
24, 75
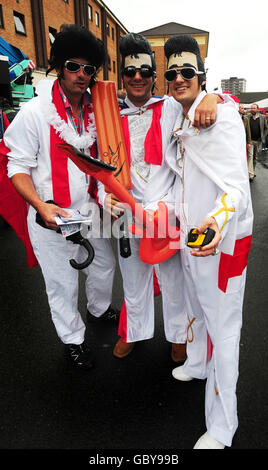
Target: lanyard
76, 123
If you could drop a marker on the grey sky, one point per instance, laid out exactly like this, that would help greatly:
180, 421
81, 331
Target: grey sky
238, 40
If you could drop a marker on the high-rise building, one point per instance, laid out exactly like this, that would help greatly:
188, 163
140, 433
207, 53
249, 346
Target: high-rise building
234, 85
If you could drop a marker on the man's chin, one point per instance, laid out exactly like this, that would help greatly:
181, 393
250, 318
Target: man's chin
80, 90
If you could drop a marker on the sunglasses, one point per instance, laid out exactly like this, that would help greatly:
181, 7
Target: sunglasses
146, 71
74, 67
188, 73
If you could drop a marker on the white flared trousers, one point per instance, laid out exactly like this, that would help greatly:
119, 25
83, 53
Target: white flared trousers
219, 315
139, 297
53, 253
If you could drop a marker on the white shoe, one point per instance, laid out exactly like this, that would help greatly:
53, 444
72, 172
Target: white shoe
208, 442
180, 375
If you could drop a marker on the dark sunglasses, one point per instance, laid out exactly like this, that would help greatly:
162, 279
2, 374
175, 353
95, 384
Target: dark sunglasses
74, 67
146, 71
188, 73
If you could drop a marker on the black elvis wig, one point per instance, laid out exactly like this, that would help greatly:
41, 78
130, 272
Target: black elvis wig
76, 41
132, 44
185, 43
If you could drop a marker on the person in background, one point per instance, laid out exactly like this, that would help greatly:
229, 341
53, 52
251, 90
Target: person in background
245, 120
266, 139
258, 129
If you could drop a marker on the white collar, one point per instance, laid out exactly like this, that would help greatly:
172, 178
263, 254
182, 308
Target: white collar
179, 126
132, 109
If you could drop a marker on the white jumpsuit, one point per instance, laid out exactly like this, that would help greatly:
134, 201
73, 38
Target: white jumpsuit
150, 184
212, 179
28, 138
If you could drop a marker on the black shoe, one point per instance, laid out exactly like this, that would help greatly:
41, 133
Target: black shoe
80, 355
111, 314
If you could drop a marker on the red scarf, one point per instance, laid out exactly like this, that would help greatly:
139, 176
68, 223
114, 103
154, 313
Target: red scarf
13, 208
59, 160
153, 140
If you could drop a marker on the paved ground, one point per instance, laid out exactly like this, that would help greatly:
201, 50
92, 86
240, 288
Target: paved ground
132, 403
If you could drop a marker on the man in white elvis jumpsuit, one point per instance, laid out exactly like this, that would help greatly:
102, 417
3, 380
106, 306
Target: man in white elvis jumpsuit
211, 191
147, 123
41, 172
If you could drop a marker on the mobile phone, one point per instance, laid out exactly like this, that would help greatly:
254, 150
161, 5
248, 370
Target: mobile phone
195, 239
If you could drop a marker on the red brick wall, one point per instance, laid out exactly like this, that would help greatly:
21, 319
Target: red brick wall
25, 43
111, 47
161, 66
94, 28
55, 13
92, 23
111, 39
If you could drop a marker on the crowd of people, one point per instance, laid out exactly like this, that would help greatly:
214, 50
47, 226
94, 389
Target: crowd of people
187, 150
256, 128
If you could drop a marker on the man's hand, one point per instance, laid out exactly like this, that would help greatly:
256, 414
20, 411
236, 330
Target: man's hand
48, 213
205, 113
113, 206
24, 186
208, 222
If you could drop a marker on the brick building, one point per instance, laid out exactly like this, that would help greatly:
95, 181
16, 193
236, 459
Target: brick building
31, 26
157, 38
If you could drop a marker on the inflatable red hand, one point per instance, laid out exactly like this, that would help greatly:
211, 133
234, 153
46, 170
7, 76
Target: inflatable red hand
164, 243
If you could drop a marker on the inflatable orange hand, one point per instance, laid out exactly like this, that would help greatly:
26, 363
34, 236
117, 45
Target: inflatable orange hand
109, 130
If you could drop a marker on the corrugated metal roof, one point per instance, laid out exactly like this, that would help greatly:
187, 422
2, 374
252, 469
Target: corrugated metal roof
252, 97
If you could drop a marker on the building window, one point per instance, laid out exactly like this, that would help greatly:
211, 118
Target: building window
113, 34
1, 17
66, 1
52, 34
113, 66
97, 18
19, 23
90, 17
107, 29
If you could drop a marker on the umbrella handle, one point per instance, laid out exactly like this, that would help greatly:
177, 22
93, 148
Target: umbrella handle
78, 239
124, 243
